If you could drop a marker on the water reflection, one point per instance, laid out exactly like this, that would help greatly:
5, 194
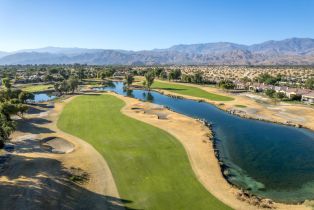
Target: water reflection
148, 96
129, 92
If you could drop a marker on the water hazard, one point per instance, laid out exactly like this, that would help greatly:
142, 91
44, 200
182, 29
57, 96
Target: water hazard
269, 160
42, 97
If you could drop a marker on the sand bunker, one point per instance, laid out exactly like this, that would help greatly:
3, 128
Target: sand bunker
158, 110
57, 145
152, 109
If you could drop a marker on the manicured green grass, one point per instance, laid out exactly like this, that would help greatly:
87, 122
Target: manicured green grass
37, 88
190, 91
150, 167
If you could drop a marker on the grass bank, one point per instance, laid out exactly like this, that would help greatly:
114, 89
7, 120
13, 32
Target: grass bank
190, 91
150, 167
240, 106
37, 88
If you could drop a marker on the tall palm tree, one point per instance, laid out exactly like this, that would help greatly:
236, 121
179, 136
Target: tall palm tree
128, 80
149, 79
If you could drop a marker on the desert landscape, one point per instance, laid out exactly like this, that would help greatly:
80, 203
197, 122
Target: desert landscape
156, 105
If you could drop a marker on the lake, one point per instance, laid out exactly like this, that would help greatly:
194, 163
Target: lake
267, 159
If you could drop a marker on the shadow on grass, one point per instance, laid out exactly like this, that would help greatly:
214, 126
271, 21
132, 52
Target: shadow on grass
45, 185
172, 89
91, 94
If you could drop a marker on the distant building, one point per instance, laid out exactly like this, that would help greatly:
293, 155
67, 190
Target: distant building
119, 74
260, 87
291, 92
240, 86
308, 97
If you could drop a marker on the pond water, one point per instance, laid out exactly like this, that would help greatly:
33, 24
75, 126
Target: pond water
43, 97
269, 160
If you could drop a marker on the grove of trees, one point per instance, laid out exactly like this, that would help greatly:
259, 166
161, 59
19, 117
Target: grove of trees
226, 84
174, 74
310, 83
268, 79
12, 102
66, 86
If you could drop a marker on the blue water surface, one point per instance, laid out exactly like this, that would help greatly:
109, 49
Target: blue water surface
268, 159
43, 97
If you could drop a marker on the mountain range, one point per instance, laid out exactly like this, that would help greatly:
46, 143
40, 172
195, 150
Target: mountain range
294, 51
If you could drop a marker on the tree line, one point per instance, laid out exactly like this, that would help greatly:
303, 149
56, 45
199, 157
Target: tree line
12, 102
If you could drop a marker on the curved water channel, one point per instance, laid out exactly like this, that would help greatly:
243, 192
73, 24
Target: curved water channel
269, 160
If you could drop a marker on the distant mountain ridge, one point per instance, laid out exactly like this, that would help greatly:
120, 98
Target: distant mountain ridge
294, 51
60, 50
2, 54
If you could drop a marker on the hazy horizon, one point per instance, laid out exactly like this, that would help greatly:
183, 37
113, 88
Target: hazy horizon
78, 47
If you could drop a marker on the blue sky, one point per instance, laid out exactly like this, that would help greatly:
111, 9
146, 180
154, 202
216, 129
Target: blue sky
148, 24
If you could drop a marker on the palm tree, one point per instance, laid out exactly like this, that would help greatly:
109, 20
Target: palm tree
128, 80
149, 79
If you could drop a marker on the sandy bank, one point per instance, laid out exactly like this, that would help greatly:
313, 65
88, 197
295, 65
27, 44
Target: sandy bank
35, 178
194, 137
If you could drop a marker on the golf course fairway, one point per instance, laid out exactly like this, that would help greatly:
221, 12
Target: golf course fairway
189, 91
150, 167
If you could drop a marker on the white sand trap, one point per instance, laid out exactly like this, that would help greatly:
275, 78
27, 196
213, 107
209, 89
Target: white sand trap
57, 145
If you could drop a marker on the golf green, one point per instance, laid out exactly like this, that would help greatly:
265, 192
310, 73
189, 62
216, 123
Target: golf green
150, 167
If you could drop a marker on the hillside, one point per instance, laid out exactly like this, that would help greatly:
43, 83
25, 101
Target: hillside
294, 51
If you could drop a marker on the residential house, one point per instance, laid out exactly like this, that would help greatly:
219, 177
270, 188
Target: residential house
260, 87
240, 86
308, 97
292, 92
119, 74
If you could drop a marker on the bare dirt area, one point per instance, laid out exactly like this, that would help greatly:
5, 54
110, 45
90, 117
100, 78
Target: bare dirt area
37, 178
194, 136
281, 112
